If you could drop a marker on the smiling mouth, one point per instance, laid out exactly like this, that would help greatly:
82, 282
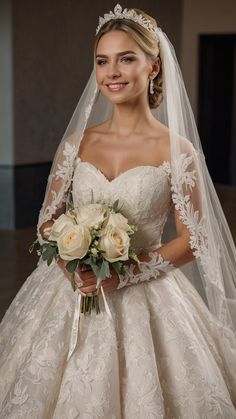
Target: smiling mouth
115, 87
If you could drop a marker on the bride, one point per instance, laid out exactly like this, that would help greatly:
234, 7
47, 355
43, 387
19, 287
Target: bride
164, 343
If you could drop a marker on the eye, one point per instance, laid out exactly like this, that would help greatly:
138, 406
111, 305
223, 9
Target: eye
127, 59
101, 61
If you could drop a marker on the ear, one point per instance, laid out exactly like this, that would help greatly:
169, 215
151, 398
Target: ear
156, 66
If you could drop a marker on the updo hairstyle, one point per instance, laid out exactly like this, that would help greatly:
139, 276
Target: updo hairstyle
146, 41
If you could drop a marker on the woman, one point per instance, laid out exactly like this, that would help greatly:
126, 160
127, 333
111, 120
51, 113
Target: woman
156, 350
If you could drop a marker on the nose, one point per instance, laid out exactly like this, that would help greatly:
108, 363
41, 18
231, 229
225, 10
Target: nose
113, 71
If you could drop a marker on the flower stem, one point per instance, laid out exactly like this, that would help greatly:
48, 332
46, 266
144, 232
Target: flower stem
90, 303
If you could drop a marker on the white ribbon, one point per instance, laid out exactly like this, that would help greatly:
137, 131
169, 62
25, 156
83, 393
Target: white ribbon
75, 324
76, 318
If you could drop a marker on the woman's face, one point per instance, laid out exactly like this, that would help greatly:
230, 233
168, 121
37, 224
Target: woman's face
122, 68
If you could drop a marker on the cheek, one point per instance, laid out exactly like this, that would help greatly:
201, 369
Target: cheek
140, 77
140, 72
99, 75
98, 78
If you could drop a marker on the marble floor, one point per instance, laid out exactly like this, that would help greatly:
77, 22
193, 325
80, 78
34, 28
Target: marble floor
16, 262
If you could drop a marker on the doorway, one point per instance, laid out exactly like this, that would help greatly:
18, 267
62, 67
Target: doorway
217, 105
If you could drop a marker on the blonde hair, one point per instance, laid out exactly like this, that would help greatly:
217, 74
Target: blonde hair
146, 41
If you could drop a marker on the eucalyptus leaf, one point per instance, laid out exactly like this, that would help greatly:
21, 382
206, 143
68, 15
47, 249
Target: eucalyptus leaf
73, 283
96, 268
48, 254
117, 266
104, 269
115, 205
51, 256
72, 265
87, 261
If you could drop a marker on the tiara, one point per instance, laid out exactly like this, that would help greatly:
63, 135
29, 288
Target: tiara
130, 15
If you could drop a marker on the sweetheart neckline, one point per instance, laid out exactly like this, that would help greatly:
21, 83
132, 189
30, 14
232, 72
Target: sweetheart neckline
162, 165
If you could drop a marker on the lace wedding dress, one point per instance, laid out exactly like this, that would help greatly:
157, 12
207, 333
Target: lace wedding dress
162, 355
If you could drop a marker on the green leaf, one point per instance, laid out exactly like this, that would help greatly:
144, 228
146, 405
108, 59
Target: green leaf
87, 261
104, 270
72, 265
73, 283
48, 253
115, 205
117, 266
96, 268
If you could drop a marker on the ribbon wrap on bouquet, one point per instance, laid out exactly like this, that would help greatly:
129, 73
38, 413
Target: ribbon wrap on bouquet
76, 317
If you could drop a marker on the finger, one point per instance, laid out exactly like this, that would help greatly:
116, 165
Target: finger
86, 268
79, 281
88, 278
88, 288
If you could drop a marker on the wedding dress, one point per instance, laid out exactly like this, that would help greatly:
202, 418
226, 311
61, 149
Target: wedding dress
162, 355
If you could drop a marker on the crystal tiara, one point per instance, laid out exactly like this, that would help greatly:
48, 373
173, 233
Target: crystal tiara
130, 15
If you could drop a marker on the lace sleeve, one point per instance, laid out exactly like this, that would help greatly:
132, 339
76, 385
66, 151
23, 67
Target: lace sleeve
58, 187
155, 267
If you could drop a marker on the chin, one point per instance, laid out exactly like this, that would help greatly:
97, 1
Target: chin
118, 98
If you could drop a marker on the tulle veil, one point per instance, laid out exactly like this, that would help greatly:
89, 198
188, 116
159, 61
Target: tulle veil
213, 271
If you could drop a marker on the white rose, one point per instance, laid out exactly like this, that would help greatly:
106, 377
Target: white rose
119, 221
115, 243
59, 226
91, 215
74, 242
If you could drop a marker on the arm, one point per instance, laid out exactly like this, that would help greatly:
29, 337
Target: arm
171, 255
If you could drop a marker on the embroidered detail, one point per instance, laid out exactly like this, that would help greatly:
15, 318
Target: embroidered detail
151, 269
64, 172
184, 179
69, 153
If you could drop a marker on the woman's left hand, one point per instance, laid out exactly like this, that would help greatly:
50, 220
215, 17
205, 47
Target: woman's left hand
90, 280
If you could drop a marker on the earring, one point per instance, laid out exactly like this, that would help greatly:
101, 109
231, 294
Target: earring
151, 87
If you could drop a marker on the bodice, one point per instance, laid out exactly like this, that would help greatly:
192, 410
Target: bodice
143, 191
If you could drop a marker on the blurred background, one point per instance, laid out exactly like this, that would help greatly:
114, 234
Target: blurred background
46, 56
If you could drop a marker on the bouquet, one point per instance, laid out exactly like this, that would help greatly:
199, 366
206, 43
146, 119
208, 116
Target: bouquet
97, 235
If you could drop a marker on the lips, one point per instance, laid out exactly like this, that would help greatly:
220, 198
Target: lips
116, 87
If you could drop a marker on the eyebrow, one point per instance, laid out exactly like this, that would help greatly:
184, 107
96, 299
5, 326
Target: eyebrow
118, 54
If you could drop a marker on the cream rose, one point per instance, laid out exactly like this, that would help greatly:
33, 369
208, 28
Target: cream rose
91, 215
74, 242
119, 221
115, 244
59, 226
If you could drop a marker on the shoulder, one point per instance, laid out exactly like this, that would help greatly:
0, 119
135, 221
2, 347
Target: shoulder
164, 147
96, 129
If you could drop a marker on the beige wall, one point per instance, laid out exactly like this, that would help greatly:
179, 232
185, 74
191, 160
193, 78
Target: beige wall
202, 17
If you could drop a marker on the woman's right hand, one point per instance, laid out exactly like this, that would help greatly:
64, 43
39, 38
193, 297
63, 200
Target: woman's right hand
62, 264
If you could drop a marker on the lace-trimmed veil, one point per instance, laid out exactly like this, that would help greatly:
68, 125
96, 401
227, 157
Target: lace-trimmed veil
213, 271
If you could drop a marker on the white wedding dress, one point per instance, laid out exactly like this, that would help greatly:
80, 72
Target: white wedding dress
162, 355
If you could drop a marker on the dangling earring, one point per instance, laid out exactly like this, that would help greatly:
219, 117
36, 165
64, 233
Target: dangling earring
151, 87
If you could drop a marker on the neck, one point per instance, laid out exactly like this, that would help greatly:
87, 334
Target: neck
128, 118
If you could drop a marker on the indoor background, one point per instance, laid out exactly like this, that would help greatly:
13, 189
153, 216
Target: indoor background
46, 56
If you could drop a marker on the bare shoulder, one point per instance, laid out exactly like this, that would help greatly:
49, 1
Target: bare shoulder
163, 145
96, 130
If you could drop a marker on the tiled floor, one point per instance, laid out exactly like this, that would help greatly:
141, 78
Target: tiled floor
16, 262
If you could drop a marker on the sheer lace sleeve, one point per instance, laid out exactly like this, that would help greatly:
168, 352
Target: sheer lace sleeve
57, 193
